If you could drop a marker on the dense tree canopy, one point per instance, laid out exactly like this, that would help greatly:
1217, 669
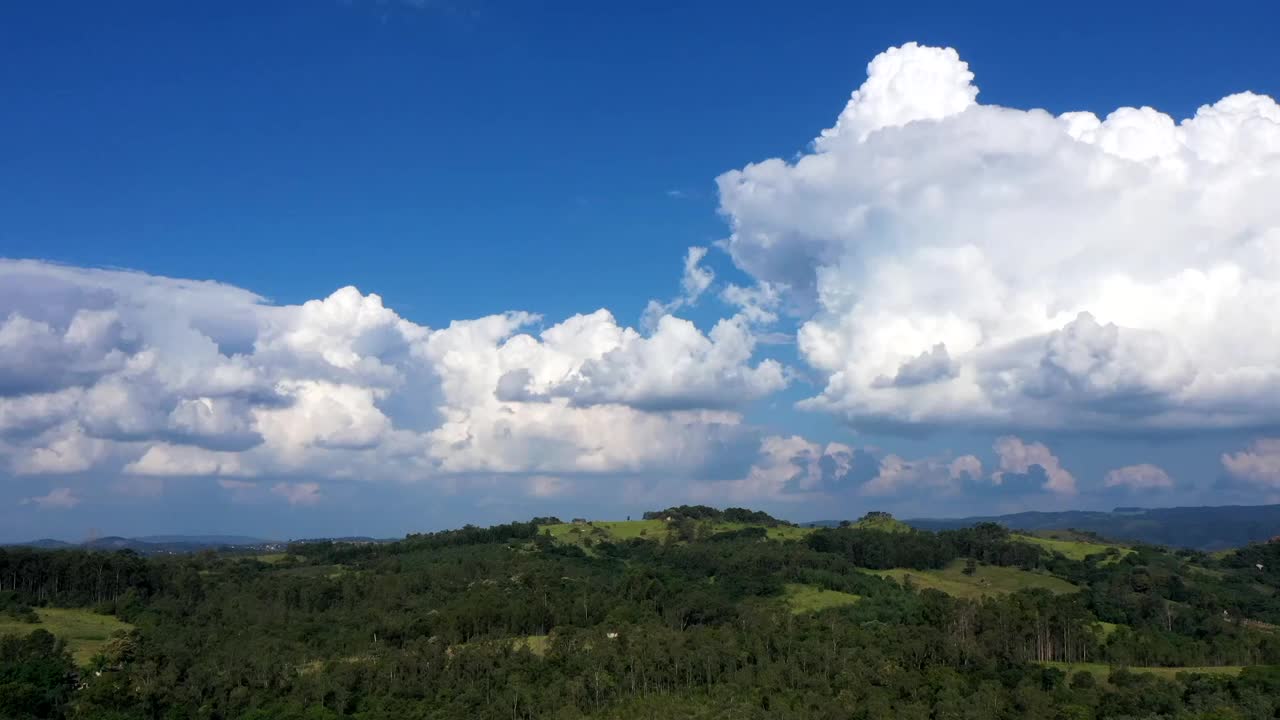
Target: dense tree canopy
509, 622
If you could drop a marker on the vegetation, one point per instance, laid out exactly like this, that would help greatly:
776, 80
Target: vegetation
691, 616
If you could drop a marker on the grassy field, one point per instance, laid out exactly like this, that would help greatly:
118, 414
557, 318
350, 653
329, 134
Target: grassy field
986, 580
271, 558
805, 599
1102, 672
85, 632
610, 530
1073, 548
536, 644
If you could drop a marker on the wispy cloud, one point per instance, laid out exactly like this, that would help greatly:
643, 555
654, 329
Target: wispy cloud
57, 499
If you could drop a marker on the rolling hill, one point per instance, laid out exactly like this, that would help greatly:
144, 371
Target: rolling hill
1201, 528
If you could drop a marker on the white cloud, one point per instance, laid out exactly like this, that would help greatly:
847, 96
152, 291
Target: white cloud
788, 468
546, 486
167, 460
122, 374
954, 262
307, 493
1139, 477
56, 499
58, 452
897, 475
677, 367
965, 465
1259, 465
1018, 457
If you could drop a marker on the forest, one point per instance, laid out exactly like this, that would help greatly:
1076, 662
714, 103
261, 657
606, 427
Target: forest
691, 612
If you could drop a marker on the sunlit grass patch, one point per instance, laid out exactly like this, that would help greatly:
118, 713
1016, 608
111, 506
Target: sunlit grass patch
986, 580
85, 632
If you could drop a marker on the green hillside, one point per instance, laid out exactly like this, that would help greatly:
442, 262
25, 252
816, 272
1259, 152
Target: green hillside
1074, 545
883, 522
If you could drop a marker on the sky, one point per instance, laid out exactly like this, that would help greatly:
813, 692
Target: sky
336, 267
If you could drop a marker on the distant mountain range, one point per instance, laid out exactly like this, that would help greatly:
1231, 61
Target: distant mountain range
157, 544
1202, 528
178, 544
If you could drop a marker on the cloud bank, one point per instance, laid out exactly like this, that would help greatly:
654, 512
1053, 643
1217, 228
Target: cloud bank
115, 372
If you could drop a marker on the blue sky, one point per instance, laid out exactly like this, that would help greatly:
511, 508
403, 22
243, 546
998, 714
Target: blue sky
462, 160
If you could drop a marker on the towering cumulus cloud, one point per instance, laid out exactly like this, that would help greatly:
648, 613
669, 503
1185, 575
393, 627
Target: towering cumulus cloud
958, 262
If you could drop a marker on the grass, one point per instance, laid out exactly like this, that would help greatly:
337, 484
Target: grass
85, 632
1073, 547
611, 530
986, 580
271, 558
805, 599
536, 644
1102, 671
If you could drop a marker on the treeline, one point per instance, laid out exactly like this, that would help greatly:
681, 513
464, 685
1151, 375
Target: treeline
77, 577
338, 552
987, 542
704, 512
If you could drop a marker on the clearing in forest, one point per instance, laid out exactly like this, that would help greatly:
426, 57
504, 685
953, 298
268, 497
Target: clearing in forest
804, 599
85, 632
1102, 671
986, 580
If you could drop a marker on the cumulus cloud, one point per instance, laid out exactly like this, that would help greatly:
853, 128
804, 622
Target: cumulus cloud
547, 486
130, 375
950, 261
789, 468
1139, 477
677, 367
1259, 464
1020, 458
307, 493
897, 475
965, 466
56, 499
